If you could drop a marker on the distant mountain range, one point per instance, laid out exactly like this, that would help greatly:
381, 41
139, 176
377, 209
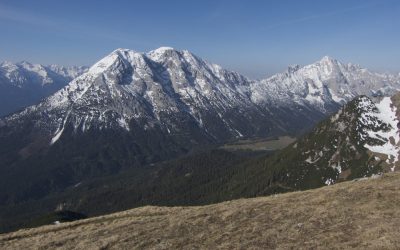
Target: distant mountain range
180, 95
24, 84
132, 109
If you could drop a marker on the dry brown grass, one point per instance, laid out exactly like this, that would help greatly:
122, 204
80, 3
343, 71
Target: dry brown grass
361, 214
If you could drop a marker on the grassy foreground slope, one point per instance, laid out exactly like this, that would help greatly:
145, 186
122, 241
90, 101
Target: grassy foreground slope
358, 214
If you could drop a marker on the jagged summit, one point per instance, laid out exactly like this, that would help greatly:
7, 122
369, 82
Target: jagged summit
165, 82
161, 50
131, 109
155, 87
114, 59
134, 59
25, 73
324, 84
293, 68
24, 83
119, 50
328, 59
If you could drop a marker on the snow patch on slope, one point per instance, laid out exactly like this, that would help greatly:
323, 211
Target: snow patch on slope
387, 114
59, 132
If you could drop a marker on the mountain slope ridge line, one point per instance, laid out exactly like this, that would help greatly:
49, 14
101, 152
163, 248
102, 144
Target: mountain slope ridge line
164, 104
255, 222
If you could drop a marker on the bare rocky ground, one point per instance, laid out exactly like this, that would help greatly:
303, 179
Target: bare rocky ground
361, 214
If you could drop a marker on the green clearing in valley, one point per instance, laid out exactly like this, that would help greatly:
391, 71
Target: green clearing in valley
260, 144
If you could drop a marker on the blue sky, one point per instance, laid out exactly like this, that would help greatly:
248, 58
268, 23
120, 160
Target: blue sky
256, 38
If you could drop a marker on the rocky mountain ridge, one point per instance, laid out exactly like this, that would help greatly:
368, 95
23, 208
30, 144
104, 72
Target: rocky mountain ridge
132, 109
153, 89
23, 84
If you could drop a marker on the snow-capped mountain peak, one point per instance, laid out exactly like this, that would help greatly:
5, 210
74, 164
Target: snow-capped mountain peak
109, 61
155, 87
69, 72
24, 83
134, 108
161, 50
157, 53
328, 60
324, 84
22, 73
293, 68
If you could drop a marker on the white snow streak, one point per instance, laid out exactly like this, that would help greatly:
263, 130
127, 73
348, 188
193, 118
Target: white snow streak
387, 114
